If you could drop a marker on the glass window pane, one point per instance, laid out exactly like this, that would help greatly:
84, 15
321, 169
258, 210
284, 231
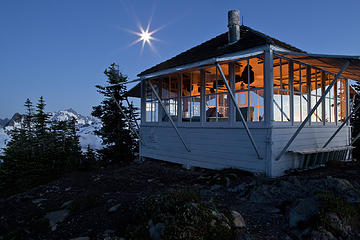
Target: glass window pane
165, 90
195, 111
174, 85
186, 84
196, 83
241, 75
186, 109
210, 108
256, 102
277, 106
286, 105
171, 107
222, 108
210, 80
151, 114
341, 108
256, 71
220, 83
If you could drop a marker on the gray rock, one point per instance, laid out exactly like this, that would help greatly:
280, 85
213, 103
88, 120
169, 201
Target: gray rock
66, 204
114, 208
322, 234
156, 230
302, 211
56, 217
239, 221
80, 238
38, 202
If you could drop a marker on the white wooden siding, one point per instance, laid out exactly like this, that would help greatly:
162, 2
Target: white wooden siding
310, 137
213, 148
218, 148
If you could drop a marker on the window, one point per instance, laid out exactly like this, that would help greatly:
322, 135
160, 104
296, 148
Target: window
190, 100
151, 103
303, 86
316, 91
249, 88
300, 92
281, 90
329, 99
341, 100
216, 95
169, 96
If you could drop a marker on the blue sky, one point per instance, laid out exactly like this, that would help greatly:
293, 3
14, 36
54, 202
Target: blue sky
59, 49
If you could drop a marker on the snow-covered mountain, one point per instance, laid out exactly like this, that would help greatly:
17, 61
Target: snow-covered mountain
85, 127
68, 114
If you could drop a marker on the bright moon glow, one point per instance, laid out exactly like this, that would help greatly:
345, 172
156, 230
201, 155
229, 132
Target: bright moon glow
146, 36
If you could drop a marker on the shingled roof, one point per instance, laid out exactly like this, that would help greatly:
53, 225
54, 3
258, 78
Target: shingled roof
218, 46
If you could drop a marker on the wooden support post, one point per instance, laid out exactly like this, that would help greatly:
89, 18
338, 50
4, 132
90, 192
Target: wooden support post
291, 86
202, 97
308, 89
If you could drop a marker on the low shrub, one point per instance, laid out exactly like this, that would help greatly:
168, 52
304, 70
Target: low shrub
180, 215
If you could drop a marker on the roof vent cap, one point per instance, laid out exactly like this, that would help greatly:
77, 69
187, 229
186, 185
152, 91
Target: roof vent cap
234, 26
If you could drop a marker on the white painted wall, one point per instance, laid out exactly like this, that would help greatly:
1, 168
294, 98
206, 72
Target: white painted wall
213, 148
310, 137
224, 147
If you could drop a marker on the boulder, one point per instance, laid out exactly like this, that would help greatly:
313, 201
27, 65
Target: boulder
56, 217
66, 204
322, 234
114, 208
239, 221
155, 230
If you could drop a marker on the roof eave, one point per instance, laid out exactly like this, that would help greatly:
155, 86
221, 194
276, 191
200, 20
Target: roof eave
226, 57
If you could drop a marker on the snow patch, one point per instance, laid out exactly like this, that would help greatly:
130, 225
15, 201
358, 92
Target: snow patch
85, 129
4, 138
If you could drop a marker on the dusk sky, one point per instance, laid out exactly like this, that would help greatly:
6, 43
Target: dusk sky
60, 49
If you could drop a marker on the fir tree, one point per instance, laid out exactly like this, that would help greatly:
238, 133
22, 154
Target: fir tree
38, 151
355, 123
41, 118
120, 143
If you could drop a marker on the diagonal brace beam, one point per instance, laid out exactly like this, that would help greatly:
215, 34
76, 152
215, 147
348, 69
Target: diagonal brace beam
342, 125
238, 110
168, 115
128, 120
312, 110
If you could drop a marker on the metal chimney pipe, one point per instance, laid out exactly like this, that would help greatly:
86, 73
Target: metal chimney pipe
234, 26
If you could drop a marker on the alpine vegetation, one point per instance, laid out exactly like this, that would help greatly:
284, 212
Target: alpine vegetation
38, 150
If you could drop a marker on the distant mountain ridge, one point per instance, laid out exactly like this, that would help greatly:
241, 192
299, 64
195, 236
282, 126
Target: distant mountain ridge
68, 114
3, 122
86, 125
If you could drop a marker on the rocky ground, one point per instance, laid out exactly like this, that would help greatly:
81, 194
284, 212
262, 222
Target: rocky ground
317, 204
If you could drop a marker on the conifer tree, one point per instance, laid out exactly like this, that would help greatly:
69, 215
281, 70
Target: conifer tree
120, 143
355, 123
39, 150
41, 118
